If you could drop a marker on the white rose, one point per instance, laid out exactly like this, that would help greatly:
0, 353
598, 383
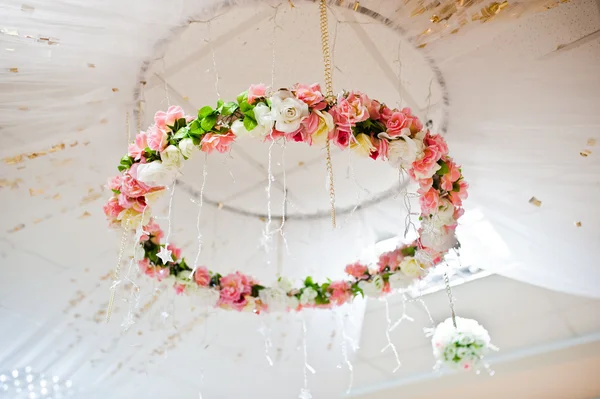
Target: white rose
373, 287
308, 296
400, 281
171, 157
184, 278
411, 267
288, 111
264, 120
275, 299
285, 284
132, 220
293, 302
187, 147
439, 241
403, 152
444, 215
156, 174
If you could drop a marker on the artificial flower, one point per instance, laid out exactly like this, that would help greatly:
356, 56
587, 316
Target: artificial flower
453, 174
311, 95
381, 148
396, 124
400, 281
202, 276
402, 152
137, 148
264, 123
307, 298
156, 174
412, 267
357, 271
112, 209
356, 108
362, 145
219, 142
275, 299
457, 197
233, 288
131, 219
339, 292
429, 201
373, 287
157, 138
341, 138
324, 128
138, 253
427, 165
255, 92
288, 111
172, 157
437, 141
165, 119
187, 147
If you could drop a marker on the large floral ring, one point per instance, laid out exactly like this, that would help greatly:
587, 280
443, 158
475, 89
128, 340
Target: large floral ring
298, 114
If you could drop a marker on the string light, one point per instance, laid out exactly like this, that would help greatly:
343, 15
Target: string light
305, 392
201, 202
390, 344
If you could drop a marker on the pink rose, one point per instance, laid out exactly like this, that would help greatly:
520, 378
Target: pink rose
390, 259
179, 288
136, 149
112, 209
311, 95
137, 204
429, 201
457, 197
156, 138
438, 142
358, 110
458, 212
234, 287
373, 107
202, 276
339, 292
341, 138
341, 115
132, 187
255, 92
310, 123
154, 230
385, 113
357, 271
144, 265
415, 125
176, 252
381, 148
449, 178
219, 142
427, 165
425, 185
115, 183
165, 119
407, 111
396, 123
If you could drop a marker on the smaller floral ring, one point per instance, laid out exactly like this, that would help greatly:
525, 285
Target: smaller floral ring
299, 114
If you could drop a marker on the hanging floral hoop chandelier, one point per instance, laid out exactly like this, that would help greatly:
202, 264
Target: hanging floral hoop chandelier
301, 114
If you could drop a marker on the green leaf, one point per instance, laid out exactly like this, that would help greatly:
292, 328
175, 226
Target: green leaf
243, 97
195, 128
408, 251
229, 108
444, 168
121, 168
215, 280
204, 112
244, 106
219, 105
356, 290
208, 122
256, 289
308, 282
116, 191
250, 113
249, 123
456, 187
181, 133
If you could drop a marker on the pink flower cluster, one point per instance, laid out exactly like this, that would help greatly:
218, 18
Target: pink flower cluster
235, 289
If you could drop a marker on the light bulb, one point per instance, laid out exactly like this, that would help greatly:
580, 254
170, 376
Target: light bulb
15, 373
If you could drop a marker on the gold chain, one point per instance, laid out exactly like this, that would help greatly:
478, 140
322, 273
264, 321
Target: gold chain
328, 96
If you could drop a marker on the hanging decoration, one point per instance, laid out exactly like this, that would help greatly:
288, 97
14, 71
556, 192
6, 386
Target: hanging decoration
461, 344
300, 114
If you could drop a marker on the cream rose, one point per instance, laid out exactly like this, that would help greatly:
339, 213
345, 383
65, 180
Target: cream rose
288, 111
411, 267
444, 215
156, 174
400, 281
439, 240
325, 126
362, 145
285, 284
131, 219
171, 157
403, 152
187, 147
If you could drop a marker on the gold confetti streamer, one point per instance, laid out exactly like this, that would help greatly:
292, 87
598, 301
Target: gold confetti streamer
13, 70
591, 142
585, 153
578, 224
115, 89
17, 228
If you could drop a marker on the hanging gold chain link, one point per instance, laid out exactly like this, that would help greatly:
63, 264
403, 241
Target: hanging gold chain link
328, 96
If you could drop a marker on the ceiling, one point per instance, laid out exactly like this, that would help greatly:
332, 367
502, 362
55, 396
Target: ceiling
516, 98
